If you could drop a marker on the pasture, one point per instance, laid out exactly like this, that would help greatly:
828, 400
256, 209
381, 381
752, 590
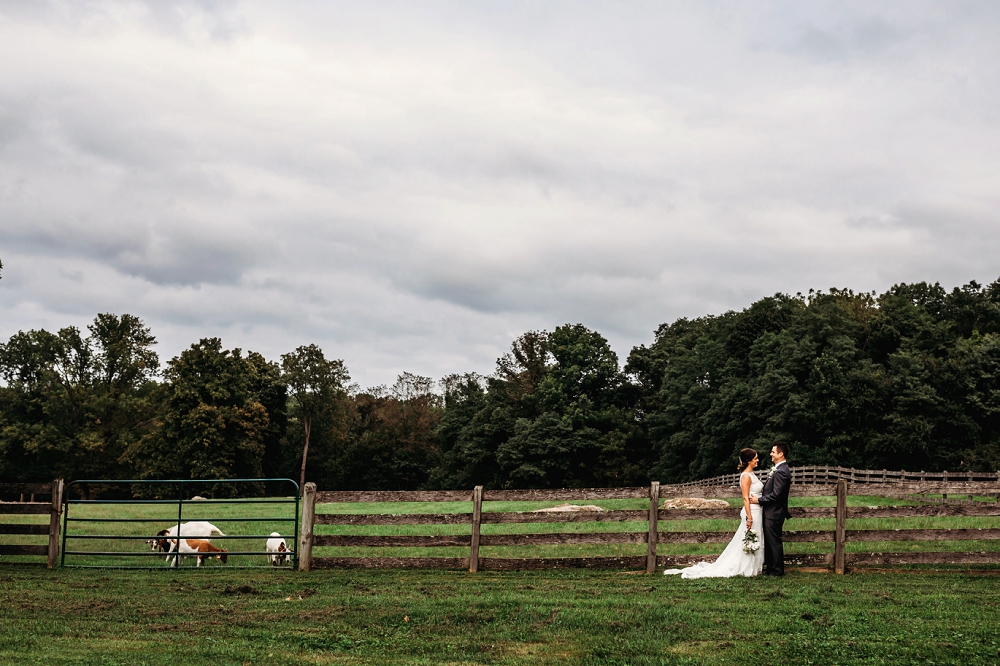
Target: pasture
223, 616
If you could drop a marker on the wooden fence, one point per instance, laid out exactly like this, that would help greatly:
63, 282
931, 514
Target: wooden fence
882, 480
838, 560
31, 507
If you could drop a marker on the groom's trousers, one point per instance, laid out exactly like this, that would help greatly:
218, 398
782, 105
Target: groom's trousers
774, 550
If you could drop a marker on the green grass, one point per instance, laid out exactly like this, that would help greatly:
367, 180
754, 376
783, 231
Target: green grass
241, 617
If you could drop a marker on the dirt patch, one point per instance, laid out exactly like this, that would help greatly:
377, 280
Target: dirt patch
322, 615
89, 606
241, 589
694, 503
570, 507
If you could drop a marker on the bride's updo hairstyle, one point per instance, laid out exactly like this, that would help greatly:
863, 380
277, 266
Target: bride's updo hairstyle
746, 455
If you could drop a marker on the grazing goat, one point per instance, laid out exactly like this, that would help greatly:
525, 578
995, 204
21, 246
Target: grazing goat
203, 549
197, 528
277, 550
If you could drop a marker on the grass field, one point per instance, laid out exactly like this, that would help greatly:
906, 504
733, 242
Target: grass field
223, 616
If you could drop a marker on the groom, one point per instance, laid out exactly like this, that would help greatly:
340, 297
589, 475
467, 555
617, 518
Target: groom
774, 507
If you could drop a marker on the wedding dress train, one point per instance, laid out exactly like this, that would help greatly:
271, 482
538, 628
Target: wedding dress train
734, 561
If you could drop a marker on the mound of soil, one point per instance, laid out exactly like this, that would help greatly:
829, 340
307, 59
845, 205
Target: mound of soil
694, 503
569, 507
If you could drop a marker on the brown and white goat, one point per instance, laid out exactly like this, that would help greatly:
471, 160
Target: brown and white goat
277, 551
203, 549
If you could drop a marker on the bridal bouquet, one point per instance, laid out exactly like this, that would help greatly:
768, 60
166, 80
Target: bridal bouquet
750, 543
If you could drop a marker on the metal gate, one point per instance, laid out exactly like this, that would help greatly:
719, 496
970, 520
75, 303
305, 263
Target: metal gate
90, 515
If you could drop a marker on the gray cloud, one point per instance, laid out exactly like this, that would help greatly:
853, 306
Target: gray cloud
411, 186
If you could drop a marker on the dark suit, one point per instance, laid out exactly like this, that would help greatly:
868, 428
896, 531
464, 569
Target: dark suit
774, 509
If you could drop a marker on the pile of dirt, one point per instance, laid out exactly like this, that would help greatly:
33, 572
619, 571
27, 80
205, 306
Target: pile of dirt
570, 507
694, 503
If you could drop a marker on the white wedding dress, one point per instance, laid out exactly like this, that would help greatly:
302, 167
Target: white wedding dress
734, 561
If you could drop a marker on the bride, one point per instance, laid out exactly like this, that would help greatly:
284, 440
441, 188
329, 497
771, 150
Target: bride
735, 561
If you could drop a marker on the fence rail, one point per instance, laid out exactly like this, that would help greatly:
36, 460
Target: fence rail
810, 482
830, 475
21, 508
639, 526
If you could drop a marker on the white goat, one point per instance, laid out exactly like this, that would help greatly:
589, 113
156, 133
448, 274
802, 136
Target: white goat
198, 529
277, 550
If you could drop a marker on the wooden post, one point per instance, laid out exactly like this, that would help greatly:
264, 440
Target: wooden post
839, 538
55, 513
306, 530
477, 516
654, 508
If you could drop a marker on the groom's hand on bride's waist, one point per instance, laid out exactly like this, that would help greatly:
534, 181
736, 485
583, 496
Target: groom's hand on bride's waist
753, 500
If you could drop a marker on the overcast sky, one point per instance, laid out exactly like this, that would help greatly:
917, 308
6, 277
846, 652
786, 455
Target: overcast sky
411, 185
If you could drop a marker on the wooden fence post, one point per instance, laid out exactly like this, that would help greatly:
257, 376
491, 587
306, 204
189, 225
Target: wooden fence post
57, 490
654, 509
306, 531
477, 516
839, 537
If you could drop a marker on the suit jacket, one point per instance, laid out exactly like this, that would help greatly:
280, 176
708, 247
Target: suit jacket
774, 498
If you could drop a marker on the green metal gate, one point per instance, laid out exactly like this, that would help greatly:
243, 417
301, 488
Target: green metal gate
106, 513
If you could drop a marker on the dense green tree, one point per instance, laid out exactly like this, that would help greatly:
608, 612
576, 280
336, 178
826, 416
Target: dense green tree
392, 440
211, 423
904, 380
268, 388
72, 405
316, 385
907, 379
558, 412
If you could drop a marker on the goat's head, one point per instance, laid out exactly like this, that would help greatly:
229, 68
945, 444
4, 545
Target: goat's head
159, 543
222, 556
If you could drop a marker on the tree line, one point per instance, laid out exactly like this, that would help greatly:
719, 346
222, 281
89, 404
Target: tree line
907, 379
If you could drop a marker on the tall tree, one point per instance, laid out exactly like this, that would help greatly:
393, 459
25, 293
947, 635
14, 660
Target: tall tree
211, 423
392, 438
314, 383
901, 380
124, 367
71, 405
584, 433
557, 412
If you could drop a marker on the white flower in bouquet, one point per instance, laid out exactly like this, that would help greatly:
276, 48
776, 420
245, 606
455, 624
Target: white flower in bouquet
750, 543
